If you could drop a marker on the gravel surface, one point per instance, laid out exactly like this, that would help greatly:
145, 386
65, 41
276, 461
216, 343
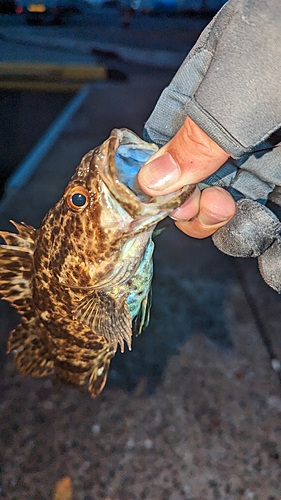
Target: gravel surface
210, 430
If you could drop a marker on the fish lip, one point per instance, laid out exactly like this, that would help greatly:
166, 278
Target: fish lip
109, 174
131, 203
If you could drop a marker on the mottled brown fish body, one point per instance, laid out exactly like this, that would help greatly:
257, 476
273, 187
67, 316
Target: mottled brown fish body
84, 276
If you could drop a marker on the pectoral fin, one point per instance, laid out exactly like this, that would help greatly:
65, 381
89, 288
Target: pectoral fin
107, 316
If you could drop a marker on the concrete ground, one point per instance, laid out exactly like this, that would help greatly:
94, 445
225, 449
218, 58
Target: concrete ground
193, 412
102, 28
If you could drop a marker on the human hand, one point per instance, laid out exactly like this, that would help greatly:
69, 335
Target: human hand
236, 101
189, 157
245, 229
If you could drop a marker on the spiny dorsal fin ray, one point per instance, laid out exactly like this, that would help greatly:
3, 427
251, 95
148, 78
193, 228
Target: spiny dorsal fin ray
16, 262
32, 356
106, 316
25, 237
25, 230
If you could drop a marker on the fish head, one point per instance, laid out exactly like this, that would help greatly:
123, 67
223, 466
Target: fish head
103, 221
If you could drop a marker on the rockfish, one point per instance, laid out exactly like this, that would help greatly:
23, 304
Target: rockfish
81, 282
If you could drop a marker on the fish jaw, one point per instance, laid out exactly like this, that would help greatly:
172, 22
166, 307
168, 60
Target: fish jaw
142, 208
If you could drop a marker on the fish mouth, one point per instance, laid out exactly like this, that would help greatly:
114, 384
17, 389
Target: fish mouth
119, 160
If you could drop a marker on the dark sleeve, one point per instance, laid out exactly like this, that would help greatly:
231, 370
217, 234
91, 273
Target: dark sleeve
230, 83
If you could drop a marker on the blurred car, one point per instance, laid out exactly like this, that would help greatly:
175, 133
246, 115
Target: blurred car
48, 11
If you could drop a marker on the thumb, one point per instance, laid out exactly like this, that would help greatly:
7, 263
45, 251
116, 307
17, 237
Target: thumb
189, 157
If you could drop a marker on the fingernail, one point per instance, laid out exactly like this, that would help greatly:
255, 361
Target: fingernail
209, 219
177, 219
189, 209
160, 173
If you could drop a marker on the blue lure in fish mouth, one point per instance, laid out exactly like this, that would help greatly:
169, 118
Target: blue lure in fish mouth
129, 159
121, 158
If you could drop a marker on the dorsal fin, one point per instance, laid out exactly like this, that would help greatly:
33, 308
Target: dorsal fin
107, 316
16, 267
25, 237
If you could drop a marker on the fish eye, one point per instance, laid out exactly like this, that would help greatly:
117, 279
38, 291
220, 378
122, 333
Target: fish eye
78, 198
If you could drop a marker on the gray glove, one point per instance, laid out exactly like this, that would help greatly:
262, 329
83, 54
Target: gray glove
230, 86
255, 230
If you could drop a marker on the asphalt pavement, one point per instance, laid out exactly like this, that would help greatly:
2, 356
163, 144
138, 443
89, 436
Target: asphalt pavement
199, 398
151, 40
